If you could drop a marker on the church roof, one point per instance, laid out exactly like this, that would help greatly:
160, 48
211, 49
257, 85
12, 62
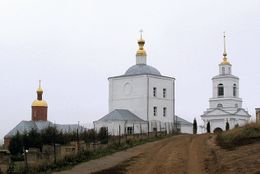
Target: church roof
220, 111
224, 76
27, 126
141, 69
120, 115
182, 121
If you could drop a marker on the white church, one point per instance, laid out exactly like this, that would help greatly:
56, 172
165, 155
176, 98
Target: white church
225, 104
140, 100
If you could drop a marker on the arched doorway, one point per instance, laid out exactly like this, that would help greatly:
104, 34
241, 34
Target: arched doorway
218, 130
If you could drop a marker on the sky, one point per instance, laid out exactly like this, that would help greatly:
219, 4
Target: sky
74, 46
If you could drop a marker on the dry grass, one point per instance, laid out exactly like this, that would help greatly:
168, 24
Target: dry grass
239, 136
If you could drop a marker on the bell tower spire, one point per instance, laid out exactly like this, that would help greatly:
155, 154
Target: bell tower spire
225, 66
225, 60
141, 53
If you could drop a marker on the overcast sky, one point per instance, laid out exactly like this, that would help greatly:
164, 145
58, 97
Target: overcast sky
74, 46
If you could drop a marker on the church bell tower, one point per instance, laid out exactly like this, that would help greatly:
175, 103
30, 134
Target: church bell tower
225, 105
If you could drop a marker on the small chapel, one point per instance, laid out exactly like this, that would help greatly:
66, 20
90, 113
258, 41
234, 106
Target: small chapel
39, 120
225, 106
141, 100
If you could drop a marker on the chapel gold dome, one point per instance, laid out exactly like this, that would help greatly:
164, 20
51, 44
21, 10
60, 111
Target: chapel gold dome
40, 103
39, 89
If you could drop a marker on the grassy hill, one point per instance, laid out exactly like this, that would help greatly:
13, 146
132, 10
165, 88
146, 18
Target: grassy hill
239, 136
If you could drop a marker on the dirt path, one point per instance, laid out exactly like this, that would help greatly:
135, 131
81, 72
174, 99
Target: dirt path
178, 154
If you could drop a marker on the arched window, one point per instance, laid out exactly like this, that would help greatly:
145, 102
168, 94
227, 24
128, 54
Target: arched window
223, 70
220, 105
234, 90
220, 90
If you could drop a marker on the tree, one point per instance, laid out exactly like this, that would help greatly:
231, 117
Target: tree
103, 135
227, 126
195, 126
32, 139
49, 134
92, 135
208, 127
16, 144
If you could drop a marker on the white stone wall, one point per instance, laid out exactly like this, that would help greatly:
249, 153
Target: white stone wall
226, 102
135, 93
140, 59
228, 86
130, 93
188, 129
219, 121
227, 69
160, 102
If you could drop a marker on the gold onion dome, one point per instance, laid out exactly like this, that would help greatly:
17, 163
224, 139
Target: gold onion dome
39, 90
225, 60
141, 51
39, 101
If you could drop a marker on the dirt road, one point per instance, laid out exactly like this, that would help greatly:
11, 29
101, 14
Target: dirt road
178, 154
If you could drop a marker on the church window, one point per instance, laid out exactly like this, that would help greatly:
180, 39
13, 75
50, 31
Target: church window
236, 105
154, 92
223, 70
220, 90
164, 92
164, 111
234, 90
154, 111
220, 105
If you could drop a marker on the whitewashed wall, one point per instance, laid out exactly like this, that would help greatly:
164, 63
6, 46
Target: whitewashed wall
135, 93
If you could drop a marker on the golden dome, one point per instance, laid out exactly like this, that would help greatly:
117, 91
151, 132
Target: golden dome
40, 103
39, 89
225, 61
141, 42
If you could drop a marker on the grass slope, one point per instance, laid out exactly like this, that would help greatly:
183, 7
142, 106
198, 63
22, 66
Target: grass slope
239, 136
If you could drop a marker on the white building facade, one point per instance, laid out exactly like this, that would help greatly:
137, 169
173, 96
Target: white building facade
225, 106
184, 126
146, 93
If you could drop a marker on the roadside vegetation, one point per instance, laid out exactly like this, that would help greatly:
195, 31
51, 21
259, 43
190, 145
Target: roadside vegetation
238, 136
51, 136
